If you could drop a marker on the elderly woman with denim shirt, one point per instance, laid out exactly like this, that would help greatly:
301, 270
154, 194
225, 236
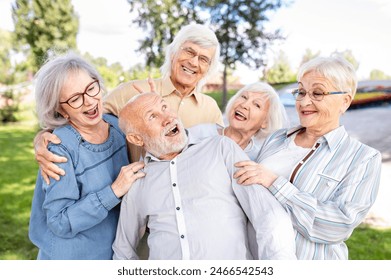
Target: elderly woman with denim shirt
326, 180
76, 217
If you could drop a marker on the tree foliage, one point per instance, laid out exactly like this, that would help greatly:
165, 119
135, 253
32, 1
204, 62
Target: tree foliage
377, 74
281, 71
5, 54
160, 20
239, 25
41, 25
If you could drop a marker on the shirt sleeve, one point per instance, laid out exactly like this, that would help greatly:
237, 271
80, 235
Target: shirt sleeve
272, 224
68, 213
333, 220
130, 229
118, 97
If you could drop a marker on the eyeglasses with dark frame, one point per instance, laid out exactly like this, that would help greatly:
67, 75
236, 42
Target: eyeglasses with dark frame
191, 53
316, 95
77, 100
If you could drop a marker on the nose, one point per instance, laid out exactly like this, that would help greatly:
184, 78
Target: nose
193, 60
245, 104
167, 119
306, 100
88, 99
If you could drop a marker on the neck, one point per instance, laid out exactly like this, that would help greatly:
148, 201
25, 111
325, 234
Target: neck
241, 138
182, 89
96, 134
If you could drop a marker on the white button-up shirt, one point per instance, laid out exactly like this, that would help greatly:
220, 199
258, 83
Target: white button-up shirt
196, 210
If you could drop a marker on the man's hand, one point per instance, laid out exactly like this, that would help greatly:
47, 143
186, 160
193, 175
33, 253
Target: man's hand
46, 159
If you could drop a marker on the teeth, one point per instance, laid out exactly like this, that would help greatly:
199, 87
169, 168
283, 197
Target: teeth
188, 70
174, 130
240, 114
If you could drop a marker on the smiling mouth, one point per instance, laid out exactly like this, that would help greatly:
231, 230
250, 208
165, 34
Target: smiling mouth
172, 131
187, 70
92, 112
240, 116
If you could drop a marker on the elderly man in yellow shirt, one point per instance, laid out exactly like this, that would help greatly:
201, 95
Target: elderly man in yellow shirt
190, 60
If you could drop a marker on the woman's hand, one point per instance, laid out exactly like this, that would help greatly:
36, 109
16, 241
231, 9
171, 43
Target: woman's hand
127, 176
251, 172
46, 160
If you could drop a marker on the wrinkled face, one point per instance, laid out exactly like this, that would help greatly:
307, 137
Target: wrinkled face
160, 128
249, 112
321, 115
190, 64
90, 112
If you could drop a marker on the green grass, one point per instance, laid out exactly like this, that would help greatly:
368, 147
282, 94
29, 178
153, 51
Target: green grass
18, 170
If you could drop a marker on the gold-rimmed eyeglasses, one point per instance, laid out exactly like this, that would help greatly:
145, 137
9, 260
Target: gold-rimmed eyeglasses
189, 52
77, 99
316, 95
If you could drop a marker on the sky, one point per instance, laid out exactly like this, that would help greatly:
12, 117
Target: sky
362, 26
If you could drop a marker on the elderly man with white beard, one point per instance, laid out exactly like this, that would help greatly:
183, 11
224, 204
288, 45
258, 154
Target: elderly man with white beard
192, 205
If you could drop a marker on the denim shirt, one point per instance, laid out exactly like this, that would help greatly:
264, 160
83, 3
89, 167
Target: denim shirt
76, 217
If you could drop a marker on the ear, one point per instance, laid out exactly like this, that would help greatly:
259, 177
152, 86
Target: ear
135, 139
347, 100
63, 113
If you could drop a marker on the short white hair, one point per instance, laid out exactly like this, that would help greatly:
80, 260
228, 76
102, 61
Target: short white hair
276, 117
336, 69
200, 35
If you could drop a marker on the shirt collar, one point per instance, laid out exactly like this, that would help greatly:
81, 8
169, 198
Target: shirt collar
332, 138
169, 88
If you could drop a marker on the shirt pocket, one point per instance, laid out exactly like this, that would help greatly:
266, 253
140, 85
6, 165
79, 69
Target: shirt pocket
326, 187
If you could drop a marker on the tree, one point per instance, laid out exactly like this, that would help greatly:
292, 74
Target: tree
160, 20
281, 71
5, 54
239, 27
377, 74
308, 55
348, 55
41, 25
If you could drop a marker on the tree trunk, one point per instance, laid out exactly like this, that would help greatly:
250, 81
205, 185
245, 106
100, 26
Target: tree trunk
225, 94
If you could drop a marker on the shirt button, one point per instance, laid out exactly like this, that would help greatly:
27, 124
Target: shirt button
172, 162
174, 185
182, 236
178, 208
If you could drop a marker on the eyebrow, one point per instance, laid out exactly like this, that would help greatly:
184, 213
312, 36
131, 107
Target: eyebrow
151, 110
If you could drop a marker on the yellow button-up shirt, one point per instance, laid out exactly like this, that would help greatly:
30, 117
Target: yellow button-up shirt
192, 109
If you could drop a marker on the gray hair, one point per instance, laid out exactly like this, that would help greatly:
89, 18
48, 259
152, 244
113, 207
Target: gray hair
49, 82
277, 117
124, 122
336, 69
200, 35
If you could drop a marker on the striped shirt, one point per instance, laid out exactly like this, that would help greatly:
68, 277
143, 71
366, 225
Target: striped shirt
329, 192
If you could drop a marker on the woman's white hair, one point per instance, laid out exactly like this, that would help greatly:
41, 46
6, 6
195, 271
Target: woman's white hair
276, 117
200, 35
336, 69
49, 82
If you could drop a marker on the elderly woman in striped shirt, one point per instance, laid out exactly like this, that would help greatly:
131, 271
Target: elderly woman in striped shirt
326, 180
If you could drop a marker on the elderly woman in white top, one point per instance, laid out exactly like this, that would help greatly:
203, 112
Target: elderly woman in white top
326, 180
252, 113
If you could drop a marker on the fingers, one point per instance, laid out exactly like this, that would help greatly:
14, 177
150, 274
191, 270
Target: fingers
136, 87
50, 137
127, 176
151, 84
245, 163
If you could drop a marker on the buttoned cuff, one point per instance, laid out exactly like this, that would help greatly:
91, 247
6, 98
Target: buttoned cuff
107, 197
282, 189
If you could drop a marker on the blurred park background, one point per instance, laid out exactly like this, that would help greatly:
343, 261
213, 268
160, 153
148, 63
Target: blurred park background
251, 49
